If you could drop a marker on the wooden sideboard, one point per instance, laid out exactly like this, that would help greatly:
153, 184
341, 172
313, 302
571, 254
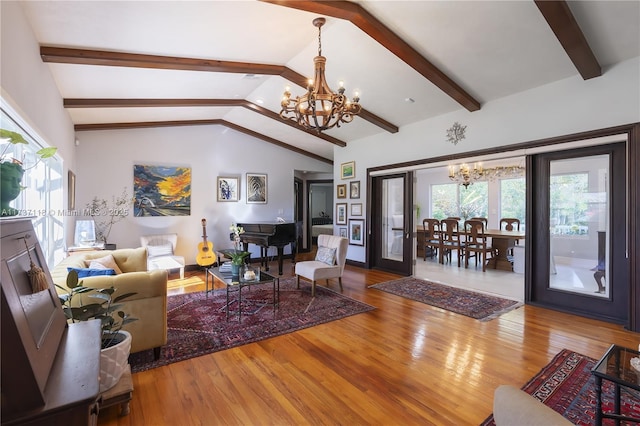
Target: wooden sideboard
50, 369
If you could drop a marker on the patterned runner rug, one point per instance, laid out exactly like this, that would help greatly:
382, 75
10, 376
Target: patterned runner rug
567, 385
476, 305
198, 325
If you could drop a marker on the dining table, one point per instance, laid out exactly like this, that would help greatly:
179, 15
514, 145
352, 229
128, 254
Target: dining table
501, 241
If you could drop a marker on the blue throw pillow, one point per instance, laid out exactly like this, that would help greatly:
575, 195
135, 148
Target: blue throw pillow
88, 272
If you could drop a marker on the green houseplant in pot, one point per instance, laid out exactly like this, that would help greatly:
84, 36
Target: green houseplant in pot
237, 255
116, 343
12, 170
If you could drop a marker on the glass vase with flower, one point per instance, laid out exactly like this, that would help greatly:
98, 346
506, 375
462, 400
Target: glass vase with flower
237, 255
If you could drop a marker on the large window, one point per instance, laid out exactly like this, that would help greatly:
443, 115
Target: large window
513, 199
451, 199
43, 194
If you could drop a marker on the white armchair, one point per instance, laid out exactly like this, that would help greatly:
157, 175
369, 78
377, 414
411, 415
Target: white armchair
329, 263
160, 252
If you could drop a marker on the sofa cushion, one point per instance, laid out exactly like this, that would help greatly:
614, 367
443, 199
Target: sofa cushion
90, 272
326, 255
107, 261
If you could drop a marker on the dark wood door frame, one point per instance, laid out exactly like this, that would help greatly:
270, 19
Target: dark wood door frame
630, 131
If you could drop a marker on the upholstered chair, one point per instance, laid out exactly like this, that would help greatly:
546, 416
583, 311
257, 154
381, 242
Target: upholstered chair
329, 262
160, 252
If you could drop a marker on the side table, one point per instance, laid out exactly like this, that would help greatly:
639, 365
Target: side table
615, 366
121, 393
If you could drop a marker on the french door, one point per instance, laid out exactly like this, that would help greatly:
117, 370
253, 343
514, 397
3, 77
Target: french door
578, 260
391, 233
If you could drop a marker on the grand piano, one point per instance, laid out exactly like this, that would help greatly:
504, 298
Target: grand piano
268, 234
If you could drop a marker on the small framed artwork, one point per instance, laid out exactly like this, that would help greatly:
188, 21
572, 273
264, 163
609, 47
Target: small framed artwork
356, 209
348, 170
256, 188
341, 213
354, 189
71, 195
342, 191
356, 232
228, 188
343, 233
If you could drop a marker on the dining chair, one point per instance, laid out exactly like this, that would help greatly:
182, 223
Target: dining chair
431, 236
484, 220
510, 224
450, 240
476, 243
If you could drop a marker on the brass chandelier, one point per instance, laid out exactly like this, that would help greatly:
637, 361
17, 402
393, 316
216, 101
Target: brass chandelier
465, 176
319, 109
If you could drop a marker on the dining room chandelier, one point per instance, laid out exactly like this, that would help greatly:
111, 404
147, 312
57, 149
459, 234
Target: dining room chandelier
464, 175
319, 109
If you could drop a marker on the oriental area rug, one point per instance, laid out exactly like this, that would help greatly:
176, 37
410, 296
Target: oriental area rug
197, 324
476, 305
567, 385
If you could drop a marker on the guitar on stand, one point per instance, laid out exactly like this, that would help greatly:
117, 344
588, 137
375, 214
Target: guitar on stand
205, 257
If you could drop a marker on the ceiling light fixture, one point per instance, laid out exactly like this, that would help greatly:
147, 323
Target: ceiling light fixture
465, 176
319, 109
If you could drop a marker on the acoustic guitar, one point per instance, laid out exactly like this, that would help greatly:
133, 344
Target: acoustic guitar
206, 256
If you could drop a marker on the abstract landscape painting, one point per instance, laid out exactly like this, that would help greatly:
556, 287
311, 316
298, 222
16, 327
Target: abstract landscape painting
161, 190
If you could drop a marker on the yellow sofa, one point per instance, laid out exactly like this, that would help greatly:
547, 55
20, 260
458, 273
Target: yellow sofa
149, 304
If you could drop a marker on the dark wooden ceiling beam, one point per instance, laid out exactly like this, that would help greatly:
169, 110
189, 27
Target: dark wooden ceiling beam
175, 103
151, 124
568, 32
61, 55
368, 23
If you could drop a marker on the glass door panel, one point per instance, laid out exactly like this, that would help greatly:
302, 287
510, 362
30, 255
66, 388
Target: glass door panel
579, 224
392, 224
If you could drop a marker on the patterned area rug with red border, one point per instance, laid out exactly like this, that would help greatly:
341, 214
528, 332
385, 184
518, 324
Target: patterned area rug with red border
567, 385
476, 305
197, 325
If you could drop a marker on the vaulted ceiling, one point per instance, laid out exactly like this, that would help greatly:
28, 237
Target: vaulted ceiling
135, 64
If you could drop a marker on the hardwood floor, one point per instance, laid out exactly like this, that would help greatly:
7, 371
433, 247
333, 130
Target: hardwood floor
403, 363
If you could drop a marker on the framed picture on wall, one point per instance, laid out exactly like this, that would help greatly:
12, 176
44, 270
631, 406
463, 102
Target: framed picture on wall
342, 191
256, 188
356, 209
341, 213
348, 170
343, 233
356, 232
354, 189
228, 188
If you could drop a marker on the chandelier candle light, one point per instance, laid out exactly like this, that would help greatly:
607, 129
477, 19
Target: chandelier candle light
319, 109
465, 176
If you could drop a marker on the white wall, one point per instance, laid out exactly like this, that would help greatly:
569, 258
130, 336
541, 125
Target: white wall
105, 167
564, 107
29, 89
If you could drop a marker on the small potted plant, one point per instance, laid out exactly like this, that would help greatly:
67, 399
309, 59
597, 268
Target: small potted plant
237, 255
12, 170
116, 343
